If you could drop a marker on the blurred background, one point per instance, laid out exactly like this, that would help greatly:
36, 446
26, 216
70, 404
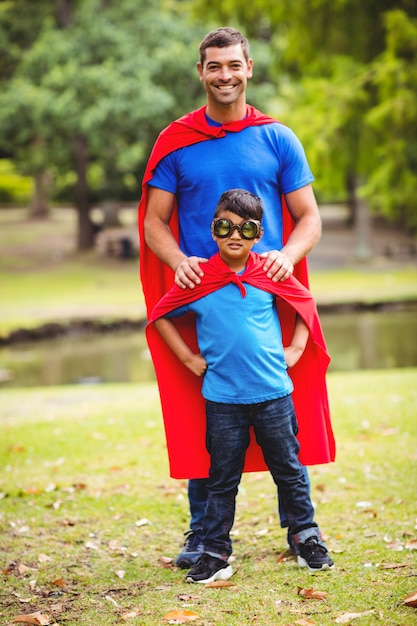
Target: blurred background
87, 85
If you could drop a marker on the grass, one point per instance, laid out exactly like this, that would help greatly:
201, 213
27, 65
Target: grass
370, 286
43, 279
89, 518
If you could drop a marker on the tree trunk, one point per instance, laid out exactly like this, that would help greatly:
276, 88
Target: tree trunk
85, 239
64, 13
39, 204
362, 227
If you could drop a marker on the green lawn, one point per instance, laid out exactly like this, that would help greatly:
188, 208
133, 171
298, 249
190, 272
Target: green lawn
90, 519
43, 279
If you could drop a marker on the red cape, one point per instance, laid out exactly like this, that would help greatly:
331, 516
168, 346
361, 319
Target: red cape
315, 435
180, 390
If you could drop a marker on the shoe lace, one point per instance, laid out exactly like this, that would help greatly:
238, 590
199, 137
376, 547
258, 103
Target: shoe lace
192, 540
312, 544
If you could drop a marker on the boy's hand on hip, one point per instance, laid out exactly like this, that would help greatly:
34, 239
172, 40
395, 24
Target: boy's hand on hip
197, 364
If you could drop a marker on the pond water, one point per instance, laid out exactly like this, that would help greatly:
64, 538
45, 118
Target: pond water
360, 340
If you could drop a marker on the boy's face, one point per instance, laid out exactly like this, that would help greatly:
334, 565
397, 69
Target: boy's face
234, 247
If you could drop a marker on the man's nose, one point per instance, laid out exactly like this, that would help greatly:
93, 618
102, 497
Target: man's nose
225, 73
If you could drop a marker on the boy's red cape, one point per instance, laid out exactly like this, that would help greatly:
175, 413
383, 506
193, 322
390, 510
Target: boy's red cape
180, 390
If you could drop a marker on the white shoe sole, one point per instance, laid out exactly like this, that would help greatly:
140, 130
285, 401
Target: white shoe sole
303, 563
221, 574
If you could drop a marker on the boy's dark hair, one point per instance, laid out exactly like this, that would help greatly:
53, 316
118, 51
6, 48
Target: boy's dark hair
223, 38
242, 202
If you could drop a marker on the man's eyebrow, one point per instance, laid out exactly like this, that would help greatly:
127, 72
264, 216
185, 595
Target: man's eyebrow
228, 62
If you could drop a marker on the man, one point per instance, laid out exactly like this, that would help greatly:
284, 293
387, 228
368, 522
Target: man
225, 144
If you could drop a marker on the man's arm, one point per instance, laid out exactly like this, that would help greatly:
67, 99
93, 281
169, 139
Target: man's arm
307, 231
162, 242
195, 362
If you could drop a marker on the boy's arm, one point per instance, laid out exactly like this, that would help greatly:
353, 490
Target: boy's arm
195, 362
298, 343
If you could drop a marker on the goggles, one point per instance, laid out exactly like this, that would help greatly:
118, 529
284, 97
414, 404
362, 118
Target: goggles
222, 228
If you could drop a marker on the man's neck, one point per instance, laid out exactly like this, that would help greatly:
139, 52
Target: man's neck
224, 115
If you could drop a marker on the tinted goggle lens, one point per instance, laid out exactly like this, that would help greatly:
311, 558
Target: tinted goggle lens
248, 230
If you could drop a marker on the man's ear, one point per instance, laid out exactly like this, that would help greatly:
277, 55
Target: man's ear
200, 69
250, 68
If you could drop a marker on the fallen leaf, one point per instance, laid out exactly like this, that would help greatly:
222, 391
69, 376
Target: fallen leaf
411, 545
131, 614
220, 583
186, 597
38, 618
120, 573
305, 622
166, 560
345, 618
43, 558
142, 522
411, 600
393, 565
23, 569
311, 594
180, 617
282, 557
80, 486
58, 582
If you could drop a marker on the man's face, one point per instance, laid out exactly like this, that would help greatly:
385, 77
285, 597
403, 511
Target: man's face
225, 74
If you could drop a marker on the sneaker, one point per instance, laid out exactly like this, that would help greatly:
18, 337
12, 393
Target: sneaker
192, 550
313, 555
209, 568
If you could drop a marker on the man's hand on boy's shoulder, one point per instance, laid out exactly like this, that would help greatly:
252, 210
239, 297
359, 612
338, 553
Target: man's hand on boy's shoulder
189, 273
277, 265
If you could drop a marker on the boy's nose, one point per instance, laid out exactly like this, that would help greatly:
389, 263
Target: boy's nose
235, 232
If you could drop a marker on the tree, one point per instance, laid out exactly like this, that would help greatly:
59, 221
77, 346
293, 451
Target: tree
392, 185
88, 97
335, 61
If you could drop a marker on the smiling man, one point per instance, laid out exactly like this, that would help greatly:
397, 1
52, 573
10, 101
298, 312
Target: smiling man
225, 144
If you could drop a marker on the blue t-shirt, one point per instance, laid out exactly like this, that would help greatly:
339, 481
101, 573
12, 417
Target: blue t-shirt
267, 160
240, 338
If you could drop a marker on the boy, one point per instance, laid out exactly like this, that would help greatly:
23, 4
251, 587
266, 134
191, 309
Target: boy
244, 365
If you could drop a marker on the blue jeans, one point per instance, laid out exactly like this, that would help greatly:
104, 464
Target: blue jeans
197, 498
227, 440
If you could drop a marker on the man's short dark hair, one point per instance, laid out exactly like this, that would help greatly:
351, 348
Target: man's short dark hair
241, 202
223, 38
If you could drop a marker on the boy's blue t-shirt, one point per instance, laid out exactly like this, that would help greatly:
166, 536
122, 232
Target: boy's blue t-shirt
240, 338
266, 160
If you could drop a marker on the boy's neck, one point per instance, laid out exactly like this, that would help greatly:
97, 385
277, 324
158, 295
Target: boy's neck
237, 265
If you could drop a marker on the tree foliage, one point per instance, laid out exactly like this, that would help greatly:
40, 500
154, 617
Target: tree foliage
87, 98
346, 71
